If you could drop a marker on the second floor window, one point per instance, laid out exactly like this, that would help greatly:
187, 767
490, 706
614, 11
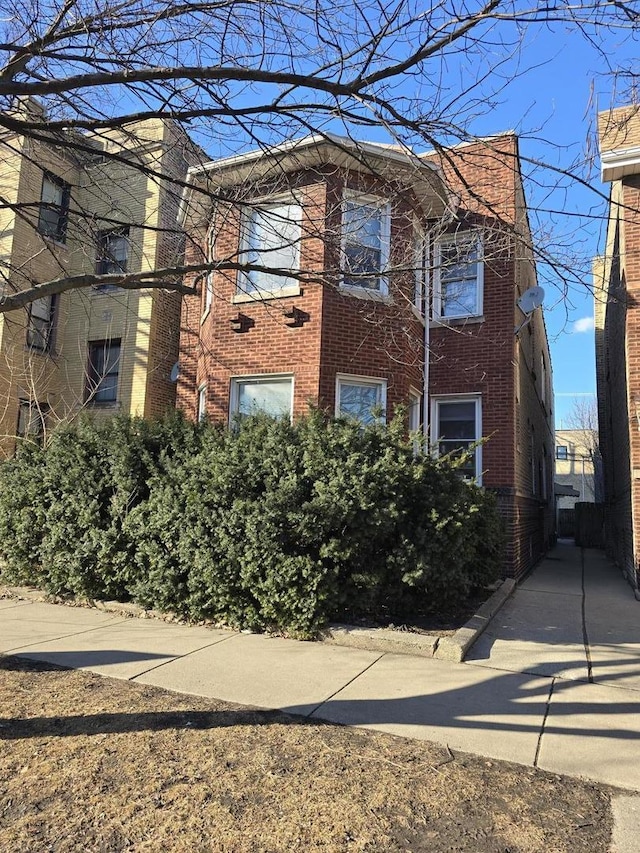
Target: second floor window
102, 372
54, 208
41, 323
366, 236
562, 452
271, 239
459, 277
113, 251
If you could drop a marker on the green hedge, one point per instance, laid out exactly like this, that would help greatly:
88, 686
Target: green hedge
270, 526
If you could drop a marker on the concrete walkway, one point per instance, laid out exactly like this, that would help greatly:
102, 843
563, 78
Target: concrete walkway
554, 682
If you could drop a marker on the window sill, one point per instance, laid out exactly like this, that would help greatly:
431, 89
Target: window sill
471, 320
59, 244
366, 293
418, 314
40, 351
111, 404
107, 290
266, 295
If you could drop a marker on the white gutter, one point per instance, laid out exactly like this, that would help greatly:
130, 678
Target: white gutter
619, 163
314, 141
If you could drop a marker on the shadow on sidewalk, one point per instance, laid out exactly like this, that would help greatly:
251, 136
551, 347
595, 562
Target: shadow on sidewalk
502, 703
88, 658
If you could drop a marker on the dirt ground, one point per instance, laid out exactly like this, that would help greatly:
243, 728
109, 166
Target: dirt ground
94, 764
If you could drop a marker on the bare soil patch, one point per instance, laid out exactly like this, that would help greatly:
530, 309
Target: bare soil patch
443, 622
93, 764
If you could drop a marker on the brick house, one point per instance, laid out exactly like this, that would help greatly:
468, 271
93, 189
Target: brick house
617, 315
74, 210
359, 277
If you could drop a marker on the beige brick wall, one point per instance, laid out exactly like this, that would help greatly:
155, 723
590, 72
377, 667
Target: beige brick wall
577, 469
105, 193
28, 258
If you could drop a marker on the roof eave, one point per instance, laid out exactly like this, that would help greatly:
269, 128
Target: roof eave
426, 179
619, 163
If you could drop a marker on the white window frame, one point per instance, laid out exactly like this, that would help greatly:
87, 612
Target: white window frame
363, 381
256, 379
415, 410
461, 238
208, 279
435, 424
246, 290
202, 402
384, 206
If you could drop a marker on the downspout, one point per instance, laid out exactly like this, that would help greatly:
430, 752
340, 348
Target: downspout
426, 412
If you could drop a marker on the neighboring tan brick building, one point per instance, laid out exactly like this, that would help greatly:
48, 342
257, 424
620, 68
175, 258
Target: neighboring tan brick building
328, 254
74, 211
617, 314
575, 454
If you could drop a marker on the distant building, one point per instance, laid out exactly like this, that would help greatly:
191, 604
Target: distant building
575, 449
577, 458
71, 211
377, 278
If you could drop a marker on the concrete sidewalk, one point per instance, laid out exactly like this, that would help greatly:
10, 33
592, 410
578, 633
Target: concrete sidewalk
554, 682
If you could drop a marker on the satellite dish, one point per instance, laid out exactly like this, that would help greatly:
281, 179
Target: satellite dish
531, 299
175, 372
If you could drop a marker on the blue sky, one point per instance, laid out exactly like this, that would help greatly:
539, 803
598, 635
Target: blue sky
554, 105
544, 81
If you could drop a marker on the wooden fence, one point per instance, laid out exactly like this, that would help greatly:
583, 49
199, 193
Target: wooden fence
589, 525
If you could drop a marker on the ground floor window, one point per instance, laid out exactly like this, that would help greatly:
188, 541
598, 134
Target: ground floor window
456, 427
415, 411
32, 420
271, 394
361, 398
202, 402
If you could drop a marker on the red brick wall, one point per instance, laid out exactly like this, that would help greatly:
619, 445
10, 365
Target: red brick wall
213, 352
619, 386
164, 338
481, 357
365, 337
341, 333
385, 338
478, 358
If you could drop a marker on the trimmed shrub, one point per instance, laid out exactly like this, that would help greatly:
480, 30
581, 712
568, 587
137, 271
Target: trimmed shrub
272, 525
23, 514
